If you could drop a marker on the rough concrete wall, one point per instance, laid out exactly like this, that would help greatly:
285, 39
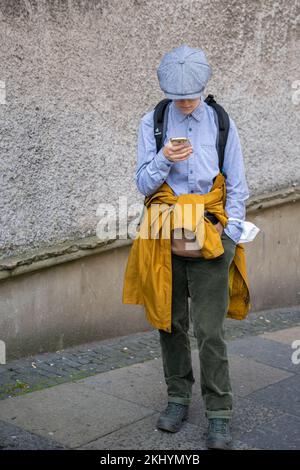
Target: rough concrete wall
79, 75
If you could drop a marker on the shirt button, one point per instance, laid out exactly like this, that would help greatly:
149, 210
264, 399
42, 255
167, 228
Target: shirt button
192, 191
191, 171
190, 129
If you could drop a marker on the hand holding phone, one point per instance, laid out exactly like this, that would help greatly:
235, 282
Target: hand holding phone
177, 149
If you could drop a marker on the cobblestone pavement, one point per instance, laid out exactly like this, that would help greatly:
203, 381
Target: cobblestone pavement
40, 371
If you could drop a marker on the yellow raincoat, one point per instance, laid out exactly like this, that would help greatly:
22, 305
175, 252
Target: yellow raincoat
148, 274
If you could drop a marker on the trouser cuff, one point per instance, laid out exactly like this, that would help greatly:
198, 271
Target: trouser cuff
181, 400
218, 414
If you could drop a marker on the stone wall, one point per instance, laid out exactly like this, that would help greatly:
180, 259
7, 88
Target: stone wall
78, 76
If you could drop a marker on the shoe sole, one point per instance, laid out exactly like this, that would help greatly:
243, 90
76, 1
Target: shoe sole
220, 445
165, 425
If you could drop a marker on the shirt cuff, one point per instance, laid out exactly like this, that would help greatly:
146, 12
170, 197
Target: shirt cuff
234, 232
162, 162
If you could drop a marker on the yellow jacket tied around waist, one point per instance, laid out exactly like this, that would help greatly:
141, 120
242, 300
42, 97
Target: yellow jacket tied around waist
148, 274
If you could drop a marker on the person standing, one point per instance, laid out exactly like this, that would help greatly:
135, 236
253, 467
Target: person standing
183, 74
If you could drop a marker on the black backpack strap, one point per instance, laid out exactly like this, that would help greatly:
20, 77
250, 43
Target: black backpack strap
160, 118
224, 123
160, 122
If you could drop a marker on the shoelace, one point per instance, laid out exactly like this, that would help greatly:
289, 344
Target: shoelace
174, 406
219, 426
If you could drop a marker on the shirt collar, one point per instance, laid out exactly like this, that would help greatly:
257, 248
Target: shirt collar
197, 113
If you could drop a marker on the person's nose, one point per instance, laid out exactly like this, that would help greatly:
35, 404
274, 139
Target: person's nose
185, 103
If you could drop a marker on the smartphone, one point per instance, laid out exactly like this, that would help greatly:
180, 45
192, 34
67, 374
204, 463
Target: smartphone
180, 140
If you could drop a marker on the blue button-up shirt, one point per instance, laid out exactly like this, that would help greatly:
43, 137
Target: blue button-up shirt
196, 173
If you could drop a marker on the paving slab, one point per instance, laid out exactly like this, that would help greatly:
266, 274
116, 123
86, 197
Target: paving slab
72, 413
265, 351
286, 336
143, 384
284, 395
15, 438
281, 433
248, 375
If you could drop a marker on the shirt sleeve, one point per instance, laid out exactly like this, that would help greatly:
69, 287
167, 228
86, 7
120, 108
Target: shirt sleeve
236, 185
152, 168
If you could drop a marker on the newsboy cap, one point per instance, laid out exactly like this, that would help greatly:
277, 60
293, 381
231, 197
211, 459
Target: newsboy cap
183, 73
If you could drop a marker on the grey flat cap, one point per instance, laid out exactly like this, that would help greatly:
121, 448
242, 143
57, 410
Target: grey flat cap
183, 73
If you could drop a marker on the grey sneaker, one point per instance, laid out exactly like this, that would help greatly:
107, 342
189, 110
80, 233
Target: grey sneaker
171, 419
218, 436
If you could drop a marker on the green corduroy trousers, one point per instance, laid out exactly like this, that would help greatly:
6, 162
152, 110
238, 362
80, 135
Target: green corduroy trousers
206, 283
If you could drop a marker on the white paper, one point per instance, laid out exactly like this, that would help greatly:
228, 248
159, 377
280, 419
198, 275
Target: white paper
249, 232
